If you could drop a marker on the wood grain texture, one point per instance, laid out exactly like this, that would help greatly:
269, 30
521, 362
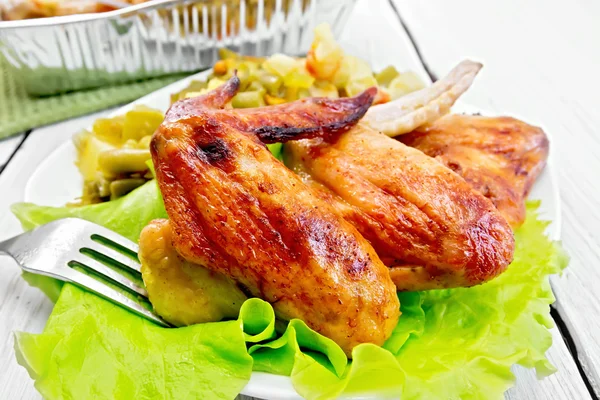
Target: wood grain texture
541, 60
24, 308
382, 40
8, 147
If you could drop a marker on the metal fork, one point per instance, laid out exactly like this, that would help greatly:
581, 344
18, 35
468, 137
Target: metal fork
55, 248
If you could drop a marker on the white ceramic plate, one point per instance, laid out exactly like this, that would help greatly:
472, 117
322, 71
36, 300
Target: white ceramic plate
42, 188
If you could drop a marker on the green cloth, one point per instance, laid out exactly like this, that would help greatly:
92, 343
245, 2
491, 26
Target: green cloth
20, 112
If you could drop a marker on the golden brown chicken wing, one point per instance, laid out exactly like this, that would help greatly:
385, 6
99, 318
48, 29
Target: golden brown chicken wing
501, 157
424, 220
237, 210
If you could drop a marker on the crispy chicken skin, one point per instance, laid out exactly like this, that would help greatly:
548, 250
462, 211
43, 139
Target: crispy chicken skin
501, 157
237, 210
425, 222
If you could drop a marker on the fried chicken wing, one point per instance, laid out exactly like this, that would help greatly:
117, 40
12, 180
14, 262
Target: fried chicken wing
425, 222
500, 157
238, 211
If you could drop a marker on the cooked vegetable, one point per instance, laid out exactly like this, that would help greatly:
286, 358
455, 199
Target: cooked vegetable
325, 72
112, 157
325, 56
405, 83
248, 100
215, 83
272, 100
220, 67
121, 187
109, 130
195, 86
275, 149
122, 142
298, 79
358, 85
25, 9
386, 75
141, 121
144, 142
89, 147
270, 82
280, 64
324, 89
255, 86
122, 161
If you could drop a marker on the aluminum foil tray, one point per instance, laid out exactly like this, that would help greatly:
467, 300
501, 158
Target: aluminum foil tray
59, 54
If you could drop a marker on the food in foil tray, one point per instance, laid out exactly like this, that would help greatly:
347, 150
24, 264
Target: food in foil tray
27, 9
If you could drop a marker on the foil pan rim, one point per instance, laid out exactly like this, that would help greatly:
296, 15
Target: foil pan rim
76, 18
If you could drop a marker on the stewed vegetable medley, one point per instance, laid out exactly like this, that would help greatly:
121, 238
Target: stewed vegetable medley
113, 157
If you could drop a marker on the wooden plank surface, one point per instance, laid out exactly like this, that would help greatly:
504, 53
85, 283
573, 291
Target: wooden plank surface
8, 147
383, 41
541, 61
23, 308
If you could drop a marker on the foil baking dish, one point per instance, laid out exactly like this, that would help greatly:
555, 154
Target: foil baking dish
59, 54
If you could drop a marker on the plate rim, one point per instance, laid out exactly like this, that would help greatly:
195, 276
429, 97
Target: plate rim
256, 386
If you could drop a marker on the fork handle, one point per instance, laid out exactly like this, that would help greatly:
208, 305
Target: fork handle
8, 246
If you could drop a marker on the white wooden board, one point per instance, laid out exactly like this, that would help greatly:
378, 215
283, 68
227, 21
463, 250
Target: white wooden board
445, 34
8, 147
23, 308
541, 61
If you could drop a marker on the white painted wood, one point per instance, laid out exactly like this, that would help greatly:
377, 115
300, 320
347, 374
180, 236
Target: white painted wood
565, 384
8, 147
374, 33
541, 61
23, 308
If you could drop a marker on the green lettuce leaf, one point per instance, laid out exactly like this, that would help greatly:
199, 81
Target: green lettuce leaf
457, 343
276, 150
127, 215
93, 349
